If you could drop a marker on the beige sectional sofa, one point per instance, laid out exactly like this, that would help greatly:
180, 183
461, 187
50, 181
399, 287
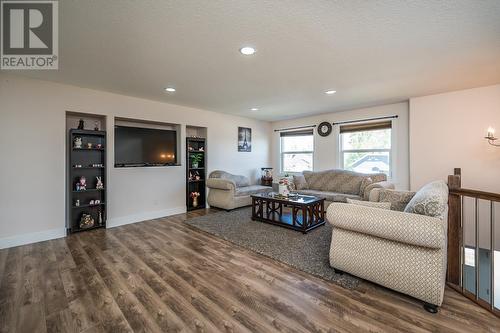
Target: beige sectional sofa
228, 191
337, 185
402, 248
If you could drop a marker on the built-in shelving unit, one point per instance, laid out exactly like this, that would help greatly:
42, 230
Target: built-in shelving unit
196, 162
89, 162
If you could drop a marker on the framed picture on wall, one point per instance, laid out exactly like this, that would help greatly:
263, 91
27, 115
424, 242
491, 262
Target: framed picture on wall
244, 139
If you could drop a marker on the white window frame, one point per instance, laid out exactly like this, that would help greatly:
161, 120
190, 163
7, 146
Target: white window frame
391, 151
282, 155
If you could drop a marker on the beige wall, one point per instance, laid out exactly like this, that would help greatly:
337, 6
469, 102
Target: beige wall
325, 147
447, 131
32, 150
433, 135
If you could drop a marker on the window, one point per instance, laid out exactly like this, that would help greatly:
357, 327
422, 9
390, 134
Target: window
297, 151
366, 147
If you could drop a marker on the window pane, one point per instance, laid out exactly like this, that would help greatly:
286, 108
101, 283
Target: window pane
297, 162
368, 162
379, 139
297, 143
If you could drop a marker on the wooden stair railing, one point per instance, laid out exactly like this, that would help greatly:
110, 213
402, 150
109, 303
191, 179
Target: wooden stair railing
456, 247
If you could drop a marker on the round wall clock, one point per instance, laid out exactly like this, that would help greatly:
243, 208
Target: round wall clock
325, 128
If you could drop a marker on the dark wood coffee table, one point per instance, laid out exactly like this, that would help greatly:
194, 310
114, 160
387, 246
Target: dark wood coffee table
301, 213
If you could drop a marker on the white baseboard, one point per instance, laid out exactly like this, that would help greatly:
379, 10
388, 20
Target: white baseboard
45, 235
33, 237
118, 221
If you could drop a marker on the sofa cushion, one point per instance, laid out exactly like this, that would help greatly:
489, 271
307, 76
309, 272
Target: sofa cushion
381, 205
330, 196
238, 180
430, 200
300, 182
252, 189
398, 199
340, 181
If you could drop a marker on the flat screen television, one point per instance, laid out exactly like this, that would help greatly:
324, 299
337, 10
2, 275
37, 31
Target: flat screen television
137, 147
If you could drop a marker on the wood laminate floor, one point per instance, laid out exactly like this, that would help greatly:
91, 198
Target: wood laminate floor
164, 276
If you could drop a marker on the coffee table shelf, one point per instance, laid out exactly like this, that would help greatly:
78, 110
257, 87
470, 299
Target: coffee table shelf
301, 213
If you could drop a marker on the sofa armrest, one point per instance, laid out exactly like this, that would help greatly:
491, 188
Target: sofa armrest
221, 184
382, 185
413, 229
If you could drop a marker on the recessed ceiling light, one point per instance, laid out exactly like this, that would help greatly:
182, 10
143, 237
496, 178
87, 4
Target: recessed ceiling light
247, 50
254, 109
170, 89
330, 92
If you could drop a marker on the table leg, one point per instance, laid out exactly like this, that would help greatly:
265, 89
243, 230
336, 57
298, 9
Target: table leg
253, 209
304, 219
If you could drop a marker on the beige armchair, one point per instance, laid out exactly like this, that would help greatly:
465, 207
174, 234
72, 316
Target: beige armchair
228, 191
401, 250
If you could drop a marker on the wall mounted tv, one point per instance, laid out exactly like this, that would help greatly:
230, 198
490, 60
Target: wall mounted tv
142, 147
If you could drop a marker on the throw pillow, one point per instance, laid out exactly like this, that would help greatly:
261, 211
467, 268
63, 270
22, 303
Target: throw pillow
300, 182
381, 205
398, 199
430, 200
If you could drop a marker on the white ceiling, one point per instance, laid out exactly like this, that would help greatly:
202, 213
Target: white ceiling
371, 52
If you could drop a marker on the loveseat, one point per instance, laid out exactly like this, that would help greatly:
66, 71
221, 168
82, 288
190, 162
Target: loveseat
337, 185
402, 247
228, 191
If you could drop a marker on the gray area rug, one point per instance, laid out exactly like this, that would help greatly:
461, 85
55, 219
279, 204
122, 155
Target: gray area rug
308, 253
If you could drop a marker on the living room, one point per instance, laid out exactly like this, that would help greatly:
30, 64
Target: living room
250, 166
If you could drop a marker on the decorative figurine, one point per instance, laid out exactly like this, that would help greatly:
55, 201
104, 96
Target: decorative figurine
77, 203
266, 178
201, 149
96, 126
98, 146
197, 176
86, 221
190, 148
99, 184
100, 218
91, 203
82, 184
89, 145
81, 124
77, 142
97, 201
194, 196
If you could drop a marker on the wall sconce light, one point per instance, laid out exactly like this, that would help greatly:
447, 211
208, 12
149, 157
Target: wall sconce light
490, 136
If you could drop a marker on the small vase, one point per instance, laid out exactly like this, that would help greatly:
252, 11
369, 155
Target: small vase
195, 202
283, 190
195, 165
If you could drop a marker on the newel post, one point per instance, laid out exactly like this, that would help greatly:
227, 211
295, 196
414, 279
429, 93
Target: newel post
454, 228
